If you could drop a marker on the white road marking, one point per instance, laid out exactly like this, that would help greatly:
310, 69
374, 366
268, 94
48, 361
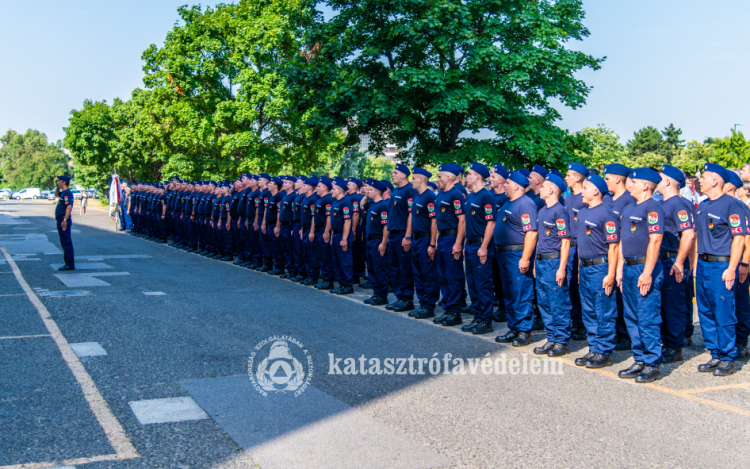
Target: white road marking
85, 266
87, 279
109, 423
174, 409
88, 349
24, 336
153, 293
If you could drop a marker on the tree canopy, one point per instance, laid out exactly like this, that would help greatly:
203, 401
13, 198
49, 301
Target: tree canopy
29, 160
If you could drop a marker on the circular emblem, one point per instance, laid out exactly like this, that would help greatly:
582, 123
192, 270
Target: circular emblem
525, 219
384, 215
328, 207
610, 227
682, 214
312, 207
265, 200
356, 204
280, 365
409, 202
346, 210
734, 220
653, 217
488, 209
456, 204
430, 208
560, 224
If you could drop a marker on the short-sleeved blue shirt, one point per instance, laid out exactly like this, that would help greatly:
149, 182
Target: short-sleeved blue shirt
308, 209
323, 211
599, 226
638, 222
679, 216
401, 200
617, 205
717, 222
554, 225
298, 201
574, 203
377, 217
480, 210
448, 206
287, 207
66, 200
273, 207
340, 212
263, 199
423, 212
514, 220
536, 198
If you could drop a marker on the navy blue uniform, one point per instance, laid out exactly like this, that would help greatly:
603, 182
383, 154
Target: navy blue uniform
377, 265
679, 216
424, 269
599, 227
343, 262
402, 279
286, 217
500, 200
514, 220
276, 243
265, 238
617, 206
449, 206
574, 204
717, 222
480, 211
322, 212
253, 200
358, 246
536, 198
642, 313
66, 242
742, 293
553, 300
311, 252
298, 246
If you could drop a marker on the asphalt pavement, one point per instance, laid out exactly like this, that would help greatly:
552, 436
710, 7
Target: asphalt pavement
147, 356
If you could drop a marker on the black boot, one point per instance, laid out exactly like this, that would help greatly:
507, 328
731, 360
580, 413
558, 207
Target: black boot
558, 350
500, 316
538, 324
584, 359
425, 314
726, 368
709, 366
507, 338
453, 320
634, 370
544, 348
578, 333
649, 374
484, 327
390, 307
323, 285
379, 301
406, 305
622, 343
471, 325
344, 290
671, 355
442, 318
599, 360
524, 338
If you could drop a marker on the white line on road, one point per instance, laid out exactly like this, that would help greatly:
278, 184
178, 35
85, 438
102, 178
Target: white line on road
23, 336
109, 423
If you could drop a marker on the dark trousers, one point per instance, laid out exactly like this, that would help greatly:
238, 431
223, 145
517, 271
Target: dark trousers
553, 301
311, 257
519, 291
358, 252
479, 279
689, 297
450, 274
298, 250
377, 268
643, 313
343, 262
400, 260
324, 254
599, 310
575, 297
66, 242
673, 314
742, 307
288, 241
425, 274
277, 248
716, 310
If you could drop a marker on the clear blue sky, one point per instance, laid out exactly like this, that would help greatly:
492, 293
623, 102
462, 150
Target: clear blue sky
680, 61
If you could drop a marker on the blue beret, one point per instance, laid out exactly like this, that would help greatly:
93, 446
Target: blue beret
734, 179
518, 178
310, 181
423, 172
277, 180
356, 181
432, 185
378, 185
557, 173
403, 168
578, 167
500, 169
254, 177
124, 182
599, 182
342, 183
64, 178
558, 181
264, 176
325, 181
369, 181
718, 169
539, 170
646, 174
247, 175
674, 173
525, 172
388, 184
480, 169
214, 183
617, 169
451, 168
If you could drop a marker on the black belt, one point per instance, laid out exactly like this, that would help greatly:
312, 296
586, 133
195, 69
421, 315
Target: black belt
712, 258
635, 260
573, 242
667, 254
594, 261
548, 255
448, 232
419, 234
395, 232
371, 237
296, 221
337, 231
286, 223
306, 227
516, 247
474, 240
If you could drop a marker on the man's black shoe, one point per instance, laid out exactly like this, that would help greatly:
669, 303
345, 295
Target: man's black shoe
424, 314
227, 258
538, 324
507, 338
466, 310
323, 285
500, 316
671, 355
471, 325
414, 312
599, 360
393, 305
524, 338
442, 318
379, 301
308, 282
66, 267
239, 261
623, 343
725, 369
709, 366
406, 305
632, 371
298, 278
649, 374
578, 333
365, 284
742, 351
544, 348
286, 275
484, 327
264, 268
276, 272
453, 320
345, 290
584, 359
558, 350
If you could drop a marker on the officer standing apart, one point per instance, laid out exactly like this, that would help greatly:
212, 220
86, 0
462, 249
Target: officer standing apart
480, 249
720, 244
63, 210
551, 268
640, 275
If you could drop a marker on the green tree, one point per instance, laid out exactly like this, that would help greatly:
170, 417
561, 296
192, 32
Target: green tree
426, 74
377, 168
648, 139
603, 147
672, 144
29, 160
648, 159
695, 154
732, 151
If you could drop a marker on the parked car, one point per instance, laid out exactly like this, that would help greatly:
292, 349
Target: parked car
51, 195
27, 193
45, 194
76, 194
5, 193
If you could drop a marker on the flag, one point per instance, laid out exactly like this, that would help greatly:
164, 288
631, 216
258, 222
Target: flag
114, 197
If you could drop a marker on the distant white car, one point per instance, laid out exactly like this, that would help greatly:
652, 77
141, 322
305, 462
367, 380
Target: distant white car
27, 193
5, 193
